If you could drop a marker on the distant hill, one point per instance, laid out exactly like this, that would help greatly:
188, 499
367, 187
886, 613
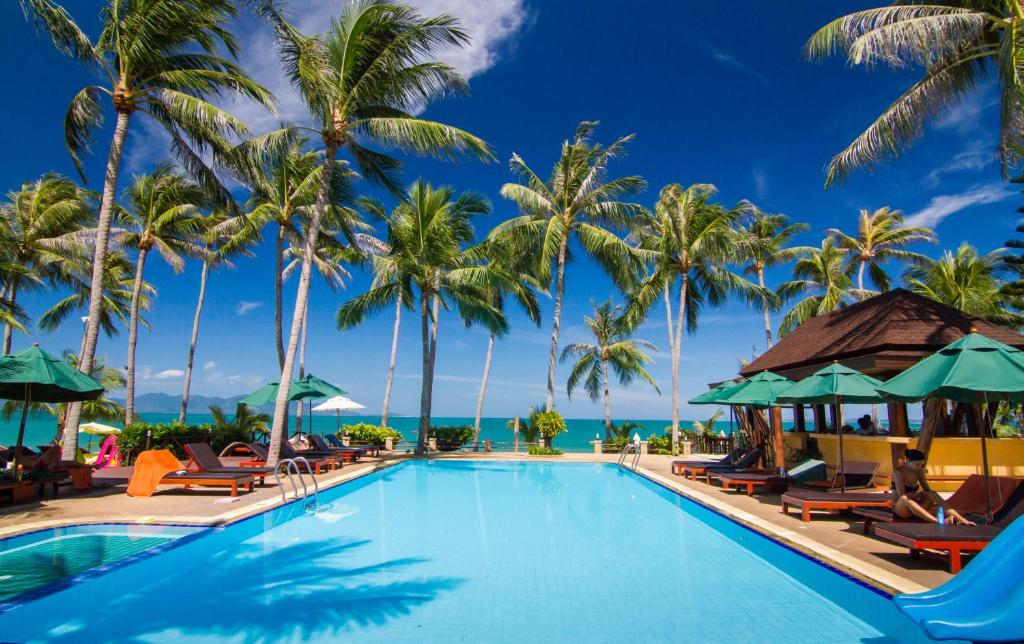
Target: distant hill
157, 403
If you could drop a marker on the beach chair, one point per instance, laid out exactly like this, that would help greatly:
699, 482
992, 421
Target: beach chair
728, 459
969, 500
160, 467
744, 463
333, 441
857, 475
768, 481
204, 458
318, 464
952, 541
352, 453
809, 500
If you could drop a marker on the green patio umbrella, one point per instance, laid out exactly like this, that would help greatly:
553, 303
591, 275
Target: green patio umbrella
835, 385
34, 375
322, 387
710, 397
759, 391
267, 394
974, 369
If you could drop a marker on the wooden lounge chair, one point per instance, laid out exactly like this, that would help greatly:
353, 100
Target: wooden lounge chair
728, 459
953, 540
745, 462
349, 454
370, 449
751, 480
204, 458
857, 474
212, 479
811, 500
969, 500
318, 464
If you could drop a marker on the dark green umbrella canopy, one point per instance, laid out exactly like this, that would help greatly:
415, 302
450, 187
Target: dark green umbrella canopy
710, 397
761, 390
835, 383
972, 369
326, 389
267, 394
50, 379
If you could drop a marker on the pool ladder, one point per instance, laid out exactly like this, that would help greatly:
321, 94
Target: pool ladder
630, 448
290, 465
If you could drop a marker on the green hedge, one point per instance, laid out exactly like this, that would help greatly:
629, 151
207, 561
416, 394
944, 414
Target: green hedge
173, 436
534, 450
452, 437
369, 434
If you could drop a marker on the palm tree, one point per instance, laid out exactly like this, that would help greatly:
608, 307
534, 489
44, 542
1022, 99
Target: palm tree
364, 79
163, 60
516, 282
957, 43
245, 420
41, 229
967, 281
162, 213
707, 427
763, 241
881, 237
612, 351
690, 240
577, 201
426, 235
823, 281
223, 236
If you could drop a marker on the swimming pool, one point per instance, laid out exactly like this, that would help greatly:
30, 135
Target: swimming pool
440, 551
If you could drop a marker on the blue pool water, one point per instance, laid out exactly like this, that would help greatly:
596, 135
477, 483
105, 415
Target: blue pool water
436, 551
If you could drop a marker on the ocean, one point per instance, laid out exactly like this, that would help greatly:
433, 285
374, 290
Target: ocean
40, 429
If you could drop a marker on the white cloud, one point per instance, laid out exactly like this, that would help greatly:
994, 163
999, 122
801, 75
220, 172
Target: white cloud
246, 306
491, 25
760, 182
210, 366
166, 374
943, 206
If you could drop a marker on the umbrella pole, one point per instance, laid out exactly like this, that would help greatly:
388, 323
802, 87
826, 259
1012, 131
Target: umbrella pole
983, 430
338, 414
21, 431
839, 431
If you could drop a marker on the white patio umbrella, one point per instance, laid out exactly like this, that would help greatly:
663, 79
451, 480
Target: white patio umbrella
339, 404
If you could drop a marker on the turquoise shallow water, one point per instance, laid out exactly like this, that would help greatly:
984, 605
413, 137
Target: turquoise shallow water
478, 552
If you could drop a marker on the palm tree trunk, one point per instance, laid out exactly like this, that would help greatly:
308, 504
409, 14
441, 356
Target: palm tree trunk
12, 295
391, 363
764, 309
192, 345
483, 390
278, 296
133, 336
99, 262
281, 405
556, 320
302, 367
676, 362
607, 404
424, 427
860, 279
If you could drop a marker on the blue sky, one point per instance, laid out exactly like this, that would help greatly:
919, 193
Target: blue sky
714, 93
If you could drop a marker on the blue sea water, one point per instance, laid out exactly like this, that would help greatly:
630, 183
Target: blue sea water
436, 551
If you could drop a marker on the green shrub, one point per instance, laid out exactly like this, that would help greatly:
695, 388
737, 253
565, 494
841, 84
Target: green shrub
550, 424
452, 437
534, 450
173, 436
370, 434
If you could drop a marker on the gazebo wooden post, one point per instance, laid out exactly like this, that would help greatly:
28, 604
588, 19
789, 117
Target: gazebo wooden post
778, 442
799, 422
898, 426
819, 418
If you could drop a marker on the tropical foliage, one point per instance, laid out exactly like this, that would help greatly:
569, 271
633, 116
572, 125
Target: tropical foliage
881, 238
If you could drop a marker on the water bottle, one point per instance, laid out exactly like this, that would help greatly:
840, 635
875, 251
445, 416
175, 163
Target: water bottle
941, 515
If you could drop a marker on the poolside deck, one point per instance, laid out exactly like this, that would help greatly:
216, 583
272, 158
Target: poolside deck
834, 539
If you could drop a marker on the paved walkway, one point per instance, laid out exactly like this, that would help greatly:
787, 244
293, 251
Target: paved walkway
832, 538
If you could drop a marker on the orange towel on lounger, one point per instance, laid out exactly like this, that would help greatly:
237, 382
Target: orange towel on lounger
150, 467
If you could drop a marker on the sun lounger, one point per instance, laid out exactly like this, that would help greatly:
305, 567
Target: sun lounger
728, 459
969, 500
160, 467
332, 441
752, 480
810, 500
350, 453
210, 479
744, 463
954, 540
287, 451
857, 474
206, 460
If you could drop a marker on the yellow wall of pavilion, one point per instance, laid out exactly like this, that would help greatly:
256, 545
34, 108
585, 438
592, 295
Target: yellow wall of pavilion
950, 460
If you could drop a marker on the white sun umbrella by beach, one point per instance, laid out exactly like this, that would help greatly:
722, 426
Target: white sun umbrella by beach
339, 404
97, 429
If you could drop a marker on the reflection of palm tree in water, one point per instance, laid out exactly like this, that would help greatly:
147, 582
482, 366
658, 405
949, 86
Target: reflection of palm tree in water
227, 591
41, 565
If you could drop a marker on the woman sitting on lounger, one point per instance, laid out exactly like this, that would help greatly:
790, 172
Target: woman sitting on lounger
914, 497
